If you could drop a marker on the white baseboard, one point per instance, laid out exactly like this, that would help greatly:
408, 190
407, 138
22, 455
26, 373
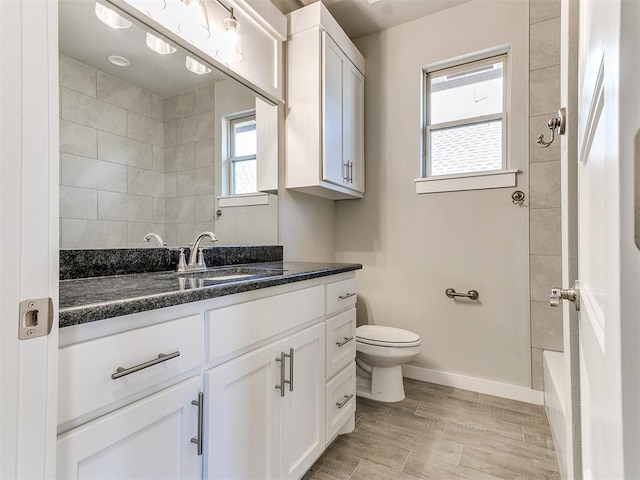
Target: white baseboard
489, 387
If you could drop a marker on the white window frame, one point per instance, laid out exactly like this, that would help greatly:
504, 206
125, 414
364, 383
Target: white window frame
243, 158
503, 177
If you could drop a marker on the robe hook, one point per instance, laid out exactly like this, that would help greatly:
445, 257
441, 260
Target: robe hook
555, 124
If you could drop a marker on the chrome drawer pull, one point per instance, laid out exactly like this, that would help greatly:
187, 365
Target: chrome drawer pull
346, 295
200, 404
282, 380
344, 402
344, 342
162, 357
290, 381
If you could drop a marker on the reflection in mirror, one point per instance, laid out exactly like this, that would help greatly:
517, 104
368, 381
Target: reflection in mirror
144, 141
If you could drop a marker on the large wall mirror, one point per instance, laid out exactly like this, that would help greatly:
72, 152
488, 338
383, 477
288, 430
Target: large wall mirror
152, 139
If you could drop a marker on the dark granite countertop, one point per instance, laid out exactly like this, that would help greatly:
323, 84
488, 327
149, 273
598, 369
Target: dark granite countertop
86, 300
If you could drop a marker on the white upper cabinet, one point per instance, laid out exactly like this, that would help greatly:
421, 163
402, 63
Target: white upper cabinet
325, 107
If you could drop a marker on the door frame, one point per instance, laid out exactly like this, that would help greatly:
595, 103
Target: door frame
569, 28
630, 228
29, 192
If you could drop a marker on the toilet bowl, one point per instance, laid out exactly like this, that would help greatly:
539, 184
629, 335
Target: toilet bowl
380, 353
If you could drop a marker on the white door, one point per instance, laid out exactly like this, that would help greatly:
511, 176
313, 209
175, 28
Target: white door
149, 439
303, 412
242, 433
28, 234
600, 223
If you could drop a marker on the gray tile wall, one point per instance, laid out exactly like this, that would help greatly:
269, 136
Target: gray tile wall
189, 131
111, 190
544, 178
132, 162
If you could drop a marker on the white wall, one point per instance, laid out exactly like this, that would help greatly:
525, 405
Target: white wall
306, 223
413, 246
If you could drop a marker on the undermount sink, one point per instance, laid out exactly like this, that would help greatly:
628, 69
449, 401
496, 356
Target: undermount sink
213, 276
229, 277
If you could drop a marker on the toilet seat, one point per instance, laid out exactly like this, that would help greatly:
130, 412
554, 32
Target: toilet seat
386, 336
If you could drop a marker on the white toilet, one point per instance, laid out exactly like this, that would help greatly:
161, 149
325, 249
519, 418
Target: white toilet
380, 352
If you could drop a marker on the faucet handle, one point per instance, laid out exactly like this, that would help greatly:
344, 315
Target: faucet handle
182, 261
200, 261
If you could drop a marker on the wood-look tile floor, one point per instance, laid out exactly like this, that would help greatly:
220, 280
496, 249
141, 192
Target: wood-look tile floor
440, 432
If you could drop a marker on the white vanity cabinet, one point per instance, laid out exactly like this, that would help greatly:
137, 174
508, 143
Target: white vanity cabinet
266, 405
258, 425
143, 435
264, 380
340, 371
325, 98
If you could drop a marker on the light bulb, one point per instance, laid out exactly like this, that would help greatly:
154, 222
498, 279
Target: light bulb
230, 49
159, 46
118, 61
196, 67
111, 18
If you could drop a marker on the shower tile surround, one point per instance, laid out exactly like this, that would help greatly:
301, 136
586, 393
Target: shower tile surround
132, 162
544, 178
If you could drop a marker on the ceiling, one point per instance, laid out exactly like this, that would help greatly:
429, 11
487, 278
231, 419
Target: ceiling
362, 17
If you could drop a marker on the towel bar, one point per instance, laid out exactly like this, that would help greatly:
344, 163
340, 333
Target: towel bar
472, 294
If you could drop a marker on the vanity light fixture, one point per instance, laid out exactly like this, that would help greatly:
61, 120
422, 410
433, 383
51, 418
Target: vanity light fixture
155, 5
159, 46
194, 23
230, 47
196, 67
118, 61
111, 18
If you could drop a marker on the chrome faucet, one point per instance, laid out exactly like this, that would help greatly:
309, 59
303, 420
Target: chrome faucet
196, 256
156, 237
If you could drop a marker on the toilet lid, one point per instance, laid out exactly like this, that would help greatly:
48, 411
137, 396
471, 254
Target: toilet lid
386, 336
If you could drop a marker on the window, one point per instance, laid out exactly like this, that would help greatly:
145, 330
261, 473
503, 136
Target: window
465, 123
242, 155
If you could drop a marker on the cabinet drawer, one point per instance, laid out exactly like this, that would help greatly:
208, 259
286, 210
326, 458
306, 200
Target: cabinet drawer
86, 369
341, 341
341, 295
237, 327
340, 400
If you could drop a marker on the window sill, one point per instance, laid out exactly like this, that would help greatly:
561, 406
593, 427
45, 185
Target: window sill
470, 181
244, 200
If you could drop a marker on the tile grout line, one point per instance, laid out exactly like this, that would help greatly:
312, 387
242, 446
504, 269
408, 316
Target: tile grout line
355, 469
545, 20
405, 461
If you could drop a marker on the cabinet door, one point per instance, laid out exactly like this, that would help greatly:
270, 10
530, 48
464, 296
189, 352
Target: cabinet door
332, 99
148, 439
303, 414
243, 427
353, 126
